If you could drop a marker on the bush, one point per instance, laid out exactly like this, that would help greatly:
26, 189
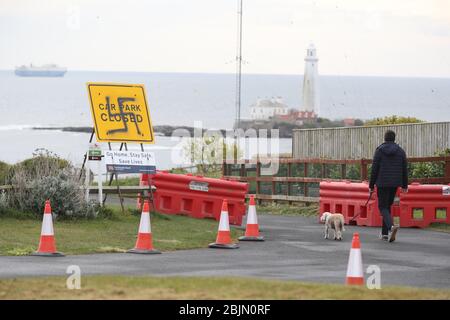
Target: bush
105, 212
392, 120
4, 169
42, 163
3, 203
47, 177
429, 169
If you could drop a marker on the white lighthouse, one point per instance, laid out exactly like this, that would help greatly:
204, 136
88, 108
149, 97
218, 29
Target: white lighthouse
311, 82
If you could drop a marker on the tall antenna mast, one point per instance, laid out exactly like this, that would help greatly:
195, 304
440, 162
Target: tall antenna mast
239, 66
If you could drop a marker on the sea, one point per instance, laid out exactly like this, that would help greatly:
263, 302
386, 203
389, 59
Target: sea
188, 99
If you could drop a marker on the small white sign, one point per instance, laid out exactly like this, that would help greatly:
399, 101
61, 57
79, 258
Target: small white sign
199, 186
130, 161
446, 190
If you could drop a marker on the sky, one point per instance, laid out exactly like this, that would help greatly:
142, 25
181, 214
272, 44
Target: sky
409, 38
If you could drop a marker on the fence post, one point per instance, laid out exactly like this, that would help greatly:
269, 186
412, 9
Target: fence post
447, 170
363, 170
224, 169
305, 174
258, 174
242, 172
289, 174
273, 190
344, 171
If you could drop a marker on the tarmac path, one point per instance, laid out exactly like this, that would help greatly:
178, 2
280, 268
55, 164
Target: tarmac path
294, 250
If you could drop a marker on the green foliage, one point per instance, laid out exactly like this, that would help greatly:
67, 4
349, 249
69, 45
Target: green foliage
334, 171
129, 181
21, 251
134, 211
47, 177
437, 226
153, 214
42, 162
285, 209
105, 212
209, 152
178, 171
392, 120
429, 169
354, 172
4, 169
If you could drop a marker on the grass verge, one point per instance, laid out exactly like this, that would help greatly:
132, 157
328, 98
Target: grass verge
288, 210
117, 234
443, 227
130, 287
313, 211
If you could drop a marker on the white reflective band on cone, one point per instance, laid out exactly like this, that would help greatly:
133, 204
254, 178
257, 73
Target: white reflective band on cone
47, 225
354, 268
144, 225
251, 218
224, 224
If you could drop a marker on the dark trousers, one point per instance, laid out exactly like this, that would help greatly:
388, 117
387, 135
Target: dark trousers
386, 197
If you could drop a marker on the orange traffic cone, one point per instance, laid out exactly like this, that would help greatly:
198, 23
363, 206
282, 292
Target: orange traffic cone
252, 229
355, 274
144, 242
223, 240
47, 246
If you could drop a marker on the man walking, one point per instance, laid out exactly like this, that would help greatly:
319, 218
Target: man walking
389, 171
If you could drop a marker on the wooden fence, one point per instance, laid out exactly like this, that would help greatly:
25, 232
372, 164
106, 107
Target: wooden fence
298, 180
417, 139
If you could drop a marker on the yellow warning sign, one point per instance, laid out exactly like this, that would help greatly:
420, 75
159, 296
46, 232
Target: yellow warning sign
120, 112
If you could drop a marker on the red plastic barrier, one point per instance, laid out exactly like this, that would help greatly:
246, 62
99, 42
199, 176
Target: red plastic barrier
419, 207
197, 196
424, 204
350, 199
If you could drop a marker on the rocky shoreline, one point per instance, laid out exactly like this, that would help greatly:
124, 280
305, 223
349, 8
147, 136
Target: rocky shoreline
165, 130
284, 128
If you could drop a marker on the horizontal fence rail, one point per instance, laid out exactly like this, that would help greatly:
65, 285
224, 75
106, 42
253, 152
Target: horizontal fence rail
297, 180
131, 190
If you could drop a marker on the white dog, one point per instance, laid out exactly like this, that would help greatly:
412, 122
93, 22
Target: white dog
334, 221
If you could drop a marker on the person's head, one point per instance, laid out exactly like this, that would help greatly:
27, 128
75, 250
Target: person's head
389, 136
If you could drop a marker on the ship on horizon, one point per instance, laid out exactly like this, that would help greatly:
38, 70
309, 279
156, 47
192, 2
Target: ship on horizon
48, 70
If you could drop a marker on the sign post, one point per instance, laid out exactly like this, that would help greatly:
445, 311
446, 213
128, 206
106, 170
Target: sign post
95, 154
87, 179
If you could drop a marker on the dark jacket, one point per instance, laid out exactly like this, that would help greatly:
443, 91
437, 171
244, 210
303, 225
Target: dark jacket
389, 167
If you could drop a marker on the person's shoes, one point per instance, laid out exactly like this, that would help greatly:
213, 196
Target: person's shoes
383, 237
393, 233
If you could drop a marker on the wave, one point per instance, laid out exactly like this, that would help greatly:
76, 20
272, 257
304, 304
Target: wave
11, 127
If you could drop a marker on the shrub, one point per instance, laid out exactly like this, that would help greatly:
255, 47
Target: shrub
46, 176
429, 169
392, 120
42, 163
105, 212
4, 169
209, 152
3, 204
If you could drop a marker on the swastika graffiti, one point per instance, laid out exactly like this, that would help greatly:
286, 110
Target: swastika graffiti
124, 116
120, 113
